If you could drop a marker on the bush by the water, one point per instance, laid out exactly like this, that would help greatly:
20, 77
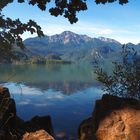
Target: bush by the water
124, 81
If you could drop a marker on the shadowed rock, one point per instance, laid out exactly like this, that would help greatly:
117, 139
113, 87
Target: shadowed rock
39, 122
113, 118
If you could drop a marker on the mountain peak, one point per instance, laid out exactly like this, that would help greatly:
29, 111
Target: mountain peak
104, 39
70, 37
68, 33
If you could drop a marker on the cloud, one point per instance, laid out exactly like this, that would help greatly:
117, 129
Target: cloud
52, 25
55, 96
43, 104
80, 28
105, 32
24, 102
21, 89
127, 39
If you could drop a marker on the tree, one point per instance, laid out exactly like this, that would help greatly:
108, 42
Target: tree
125, 78
11, 30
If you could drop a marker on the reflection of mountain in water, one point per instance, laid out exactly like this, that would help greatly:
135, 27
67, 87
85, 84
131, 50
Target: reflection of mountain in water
65, 78
65, 87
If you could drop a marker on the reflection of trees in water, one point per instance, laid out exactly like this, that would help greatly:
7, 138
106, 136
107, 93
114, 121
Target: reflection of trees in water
65, 78
46, 73
65, 87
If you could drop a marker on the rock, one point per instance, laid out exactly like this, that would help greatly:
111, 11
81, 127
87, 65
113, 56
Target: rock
38, 135
113, 118
39, 122
7, 115
86, 130
7, 108
13, 127
4, 93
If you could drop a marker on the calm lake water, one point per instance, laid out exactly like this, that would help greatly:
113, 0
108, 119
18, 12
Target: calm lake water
65, 92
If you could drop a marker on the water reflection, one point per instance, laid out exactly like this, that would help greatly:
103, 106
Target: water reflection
66, 87
65, 92
65, 78
67, 112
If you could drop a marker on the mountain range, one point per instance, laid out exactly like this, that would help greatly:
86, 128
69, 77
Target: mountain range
75, 47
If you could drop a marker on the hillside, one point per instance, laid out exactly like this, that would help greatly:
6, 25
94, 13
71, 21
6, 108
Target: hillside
74, 47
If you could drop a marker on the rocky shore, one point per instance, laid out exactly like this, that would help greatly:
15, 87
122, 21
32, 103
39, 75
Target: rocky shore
14, 128
113, 118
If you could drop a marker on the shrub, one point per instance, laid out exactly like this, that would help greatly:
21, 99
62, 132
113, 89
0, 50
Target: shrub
124, 81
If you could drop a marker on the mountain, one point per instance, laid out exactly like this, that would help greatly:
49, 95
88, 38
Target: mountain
74, 47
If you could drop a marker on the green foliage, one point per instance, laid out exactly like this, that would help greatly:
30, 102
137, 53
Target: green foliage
11, 31
125, 78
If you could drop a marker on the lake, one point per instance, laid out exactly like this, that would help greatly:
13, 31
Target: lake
65, 92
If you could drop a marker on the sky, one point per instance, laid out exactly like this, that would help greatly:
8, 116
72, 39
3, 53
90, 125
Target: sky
115, 21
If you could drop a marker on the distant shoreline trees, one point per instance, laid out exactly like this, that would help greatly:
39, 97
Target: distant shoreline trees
50, 59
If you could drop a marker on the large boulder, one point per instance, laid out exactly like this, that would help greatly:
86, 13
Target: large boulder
113, 118
39, 122
38, 135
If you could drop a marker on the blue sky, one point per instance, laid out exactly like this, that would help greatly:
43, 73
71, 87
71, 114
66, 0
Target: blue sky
111, 20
